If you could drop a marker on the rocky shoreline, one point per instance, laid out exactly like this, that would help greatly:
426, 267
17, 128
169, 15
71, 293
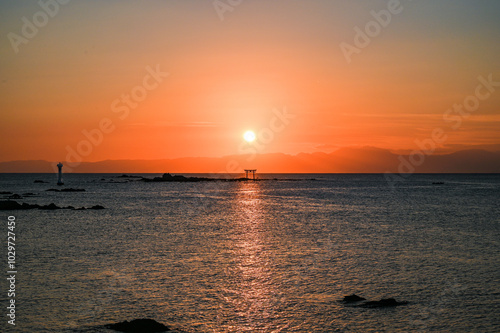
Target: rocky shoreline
14, 205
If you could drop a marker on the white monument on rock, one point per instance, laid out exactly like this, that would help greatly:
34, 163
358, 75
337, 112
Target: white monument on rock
59, 180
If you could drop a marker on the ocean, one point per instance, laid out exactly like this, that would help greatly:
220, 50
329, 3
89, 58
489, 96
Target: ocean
263, 256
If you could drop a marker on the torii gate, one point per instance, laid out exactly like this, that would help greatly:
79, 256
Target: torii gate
248, 171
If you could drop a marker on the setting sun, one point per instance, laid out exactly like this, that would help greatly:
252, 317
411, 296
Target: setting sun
249, 136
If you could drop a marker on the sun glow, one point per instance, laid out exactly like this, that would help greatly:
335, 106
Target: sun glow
249, 136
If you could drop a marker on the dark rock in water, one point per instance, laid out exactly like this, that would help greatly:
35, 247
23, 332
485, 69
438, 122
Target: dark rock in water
437, 183
97, 207
28, 206
352, 299
10, 205
51, 206
66, 190
38, 181
5, 192
29, 194
139, 326
14, 205
15, 196
73, 190
357, 301
383, 303
169, 178
128, 176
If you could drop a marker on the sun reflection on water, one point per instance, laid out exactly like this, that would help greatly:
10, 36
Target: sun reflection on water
252, 291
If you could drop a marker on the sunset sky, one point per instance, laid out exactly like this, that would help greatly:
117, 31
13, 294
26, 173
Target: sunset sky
238, 68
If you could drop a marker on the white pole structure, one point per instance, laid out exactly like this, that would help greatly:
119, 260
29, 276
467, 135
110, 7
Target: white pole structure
59, 180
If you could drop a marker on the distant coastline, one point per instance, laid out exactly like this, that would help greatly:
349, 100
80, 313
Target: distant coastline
345, 160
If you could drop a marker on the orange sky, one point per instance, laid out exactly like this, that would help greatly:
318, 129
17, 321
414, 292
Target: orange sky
232, 75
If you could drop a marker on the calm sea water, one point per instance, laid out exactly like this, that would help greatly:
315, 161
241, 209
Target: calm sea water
268, 256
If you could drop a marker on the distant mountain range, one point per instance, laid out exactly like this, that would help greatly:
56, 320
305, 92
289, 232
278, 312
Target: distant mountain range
344, 160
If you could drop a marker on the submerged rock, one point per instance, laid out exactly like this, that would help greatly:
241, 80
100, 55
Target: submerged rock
139, 326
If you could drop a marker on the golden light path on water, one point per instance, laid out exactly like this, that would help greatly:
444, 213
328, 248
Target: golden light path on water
254, 293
